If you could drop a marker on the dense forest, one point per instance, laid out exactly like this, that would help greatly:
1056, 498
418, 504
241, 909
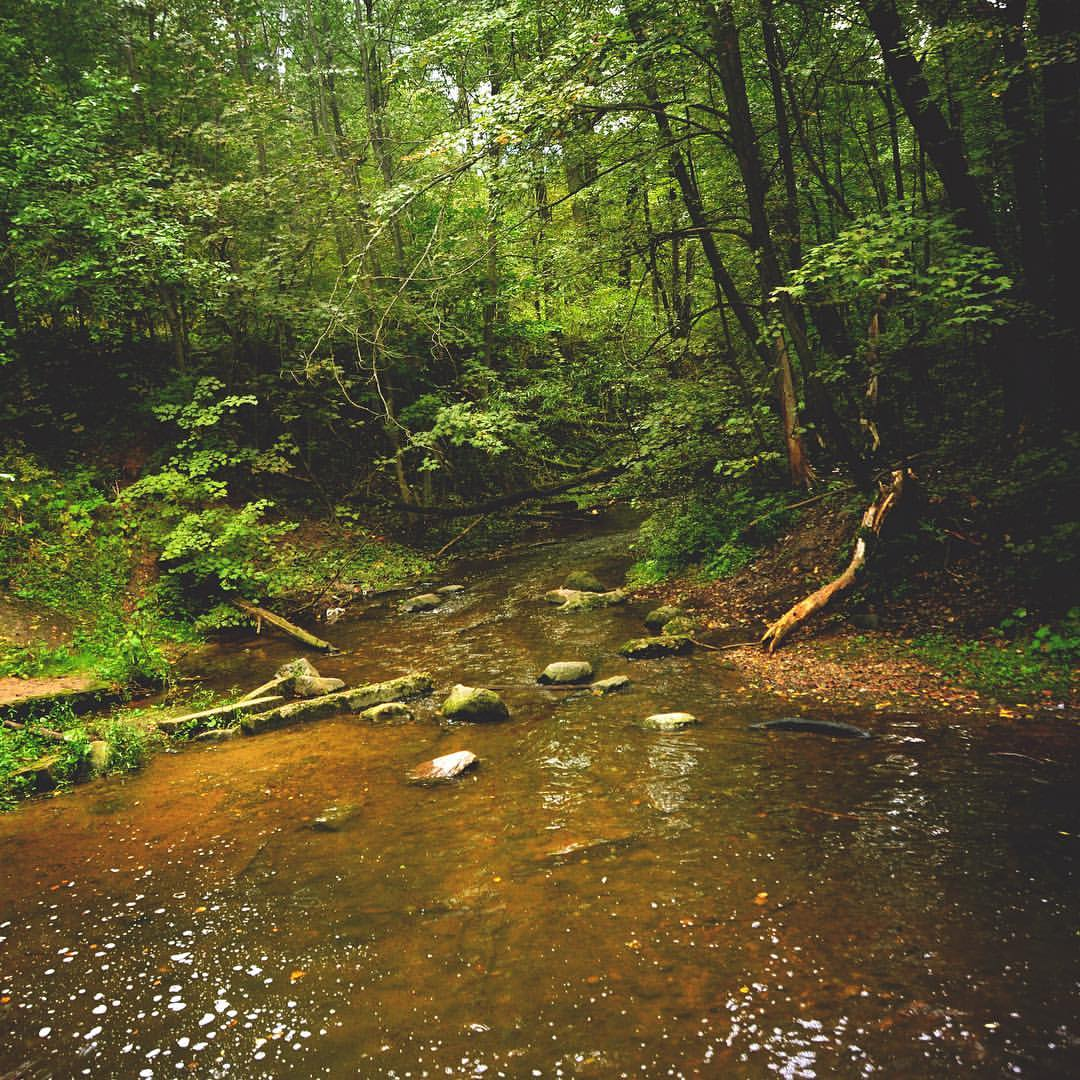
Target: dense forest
394, 267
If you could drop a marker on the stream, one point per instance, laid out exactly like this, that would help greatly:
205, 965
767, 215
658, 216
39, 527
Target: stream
596, 900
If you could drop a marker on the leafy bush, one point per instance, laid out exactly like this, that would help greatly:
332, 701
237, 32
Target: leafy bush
716, 536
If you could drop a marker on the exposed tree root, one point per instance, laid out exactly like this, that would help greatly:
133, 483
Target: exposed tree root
889, 494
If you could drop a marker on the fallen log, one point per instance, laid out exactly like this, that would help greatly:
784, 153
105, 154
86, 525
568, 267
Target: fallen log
301, 635
417, 684
873, 518
172, 724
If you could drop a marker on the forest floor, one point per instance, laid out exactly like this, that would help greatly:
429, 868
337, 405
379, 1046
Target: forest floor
930, 646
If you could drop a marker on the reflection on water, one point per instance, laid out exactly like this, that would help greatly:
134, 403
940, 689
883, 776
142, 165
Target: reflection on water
597, 900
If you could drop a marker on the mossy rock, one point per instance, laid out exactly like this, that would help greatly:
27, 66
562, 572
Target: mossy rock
424, 602
583, 581
658, 617
649, 648
473, 703
563, 672
681, 625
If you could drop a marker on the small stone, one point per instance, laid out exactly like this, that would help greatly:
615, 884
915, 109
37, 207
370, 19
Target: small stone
567, 671
309, 686
583, 581
656, 618
389, 712
609, 686
424, 602
669, 721
474, 703
444, 768
450, 590
298, 668
649, 647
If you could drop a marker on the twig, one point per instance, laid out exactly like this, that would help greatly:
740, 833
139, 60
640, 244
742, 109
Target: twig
724, 648
464, 532
45, 733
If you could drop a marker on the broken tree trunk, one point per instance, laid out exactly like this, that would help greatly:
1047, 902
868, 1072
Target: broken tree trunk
310, 640
889, 494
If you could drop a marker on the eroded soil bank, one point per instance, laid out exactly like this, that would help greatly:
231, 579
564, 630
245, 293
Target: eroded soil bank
595, 899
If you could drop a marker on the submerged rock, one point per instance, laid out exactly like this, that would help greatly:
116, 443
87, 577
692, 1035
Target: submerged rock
309, 686
390, 712
424, 602
583, 581
609, 686
566, 671
447, 767
332, 818
669, 721
474, 703
818, 727
649, 647
656, 618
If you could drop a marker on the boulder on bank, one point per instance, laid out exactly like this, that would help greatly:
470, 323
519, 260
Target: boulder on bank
473, 703
583, 581
656, 618
611, 685
669, 721
309, 686
441, 769
390, 712
417, 684
94, 762
648, 648
563, 672
295, 669
681, 625
424, 602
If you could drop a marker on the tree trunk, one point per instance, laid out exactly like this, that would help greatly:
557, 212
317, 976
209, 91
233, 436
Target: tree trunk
941, 142
869, 530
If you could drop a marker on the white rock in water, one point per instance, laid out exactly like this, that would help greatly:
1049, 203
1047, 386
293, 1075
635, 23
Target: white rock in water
446, 767
669, 721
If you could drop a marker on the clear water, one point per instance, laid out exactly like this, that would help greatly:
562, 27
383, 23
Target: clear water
596, 900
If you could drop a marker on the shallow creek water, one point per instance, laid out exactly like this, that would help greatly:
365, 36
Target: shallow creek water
596, 900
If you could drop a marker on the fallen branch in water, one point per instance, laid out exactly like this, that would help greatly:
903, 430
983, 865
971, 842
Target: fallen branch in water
301, 635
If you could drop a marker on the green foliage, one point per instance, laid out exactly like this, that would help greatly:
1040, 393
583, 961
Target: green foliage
205, 542
715, 536
1018, 662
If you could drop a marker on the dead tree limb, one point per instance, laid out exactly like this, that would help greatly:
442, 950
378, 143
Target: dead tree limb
301, 635
869, 529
